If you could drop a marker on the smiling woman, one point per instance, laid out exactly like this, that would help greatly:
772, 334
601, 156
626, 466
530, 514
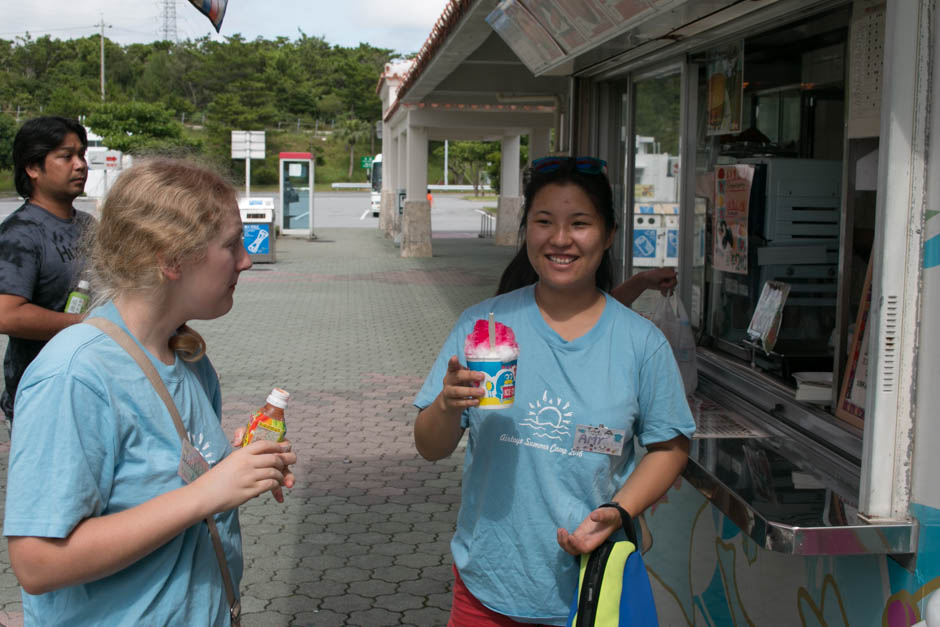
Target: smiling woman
586, 364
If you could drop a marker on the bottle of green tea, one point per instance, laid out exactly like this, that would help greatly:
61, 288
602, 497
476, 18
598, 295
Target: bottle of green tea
77, 302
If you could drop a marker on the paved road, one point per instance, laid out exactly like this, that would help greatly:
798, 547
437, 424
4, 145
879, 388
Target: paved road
350, 329
450, 213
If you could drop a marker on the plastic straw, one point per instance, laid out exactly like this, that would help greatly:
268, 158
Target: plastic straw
492, 332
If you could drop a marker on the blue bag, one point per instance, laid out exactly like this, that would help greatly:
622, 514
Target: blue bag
613, 587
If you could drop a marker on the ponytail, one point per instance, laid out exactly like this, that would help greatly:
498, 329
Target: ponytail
188, 343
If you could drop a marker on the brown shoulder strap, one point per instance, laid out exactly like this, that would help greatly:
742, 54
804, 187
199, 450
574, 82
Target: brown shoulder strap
125, 341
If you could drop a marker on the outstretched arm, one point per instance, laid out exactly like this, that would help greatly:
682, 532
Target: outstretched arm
102, 545
21, 318
662, 279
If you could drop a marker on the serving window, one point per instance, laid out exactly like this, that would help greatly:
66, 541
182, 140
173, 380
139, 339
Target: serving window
769, 182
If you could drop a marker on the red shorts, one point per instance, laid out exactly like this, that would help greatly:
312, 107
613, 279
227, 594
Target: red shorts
466, 611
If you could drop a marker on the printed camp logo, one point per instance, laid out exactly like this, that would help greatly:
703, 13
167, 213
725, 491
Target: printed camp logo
201, 444
548, 418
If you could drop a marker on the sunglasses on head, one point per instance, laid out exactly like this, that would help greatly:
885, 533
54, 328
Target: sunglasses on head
585, 165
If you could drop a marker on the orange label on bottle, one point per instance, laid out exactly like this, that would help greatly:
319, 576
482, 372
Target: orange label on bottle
263, 427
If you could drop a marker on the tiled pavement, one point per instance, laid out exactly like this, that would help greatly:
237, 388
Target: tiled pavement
350, 329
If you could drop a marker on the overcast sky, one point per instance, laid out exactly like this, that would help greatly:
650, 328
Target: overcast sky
401, 25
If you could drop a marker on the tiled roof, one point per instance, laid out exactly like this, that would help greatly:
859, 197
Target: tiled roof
452, 13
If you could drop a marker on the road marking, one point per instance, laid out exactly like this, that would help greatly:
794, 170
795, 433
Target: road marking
364, 213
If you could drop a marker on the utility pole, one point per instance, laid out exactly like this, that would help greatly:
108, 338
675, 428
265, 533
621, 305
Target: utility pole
102, 25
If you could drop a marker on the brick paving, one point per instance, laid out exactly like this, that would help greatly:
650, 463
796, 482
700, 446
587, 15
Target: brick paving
350, 329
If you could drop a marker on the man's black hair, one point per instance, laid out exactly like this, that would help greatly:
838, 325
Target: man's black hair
36, 139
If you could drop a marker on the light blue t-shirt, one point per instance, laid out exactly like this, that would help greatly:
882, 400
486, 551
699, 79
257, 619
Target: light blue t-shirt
522, 478
92, 438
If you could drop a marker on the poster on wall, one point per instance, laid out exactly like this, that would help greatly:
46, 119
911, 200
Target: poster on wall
851, 407
725, 89
732, 194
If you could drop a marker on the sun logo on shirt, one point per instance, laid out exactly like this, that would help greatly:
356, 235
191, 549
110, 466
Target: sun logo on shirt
201, 444
547, 417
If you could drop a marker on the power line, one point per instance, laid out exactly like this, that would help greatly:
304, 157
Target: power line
27, 31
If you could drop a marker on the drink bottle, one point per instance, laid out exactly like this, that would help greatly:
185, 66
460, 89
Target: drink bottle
268, 422
77, 301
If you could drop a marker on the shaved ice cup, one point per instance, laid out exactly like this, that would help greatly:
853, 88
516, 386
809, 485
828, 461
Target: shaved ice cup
500, 382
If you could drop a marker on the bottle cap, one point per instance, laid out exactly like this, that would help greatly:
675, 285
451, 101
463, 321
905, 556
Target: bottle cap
83, 285
279, 398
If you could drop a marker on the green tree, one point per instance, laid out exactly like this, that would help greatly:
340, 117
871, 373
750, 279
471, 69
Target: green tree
352, 131
658, 112
495, 160
7, 132
134, 126
468, 160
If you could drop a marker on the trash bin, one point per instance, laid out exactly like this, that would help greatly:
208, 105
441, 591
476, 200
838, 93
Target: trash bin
258, 228
648, 235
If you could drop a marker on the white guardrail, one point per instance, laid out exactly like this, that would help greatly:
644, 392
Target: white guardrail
487, 223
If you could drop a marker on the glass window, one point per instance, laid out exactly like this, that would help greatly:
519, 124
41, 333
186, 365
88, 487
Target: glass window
768, 186
655, 180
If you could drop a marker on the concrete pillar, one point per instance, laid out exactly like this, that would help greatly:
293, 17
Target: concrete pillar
401, 172
389, 158
539, 143
509, 205
416, 221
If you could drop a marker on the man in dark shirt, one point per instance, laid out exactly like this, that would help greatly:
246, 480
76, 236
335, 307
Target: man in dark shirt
39, 242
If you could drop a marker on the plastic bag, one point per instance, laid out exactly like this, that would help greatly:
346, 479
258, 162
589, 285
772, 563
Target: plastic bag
674, 323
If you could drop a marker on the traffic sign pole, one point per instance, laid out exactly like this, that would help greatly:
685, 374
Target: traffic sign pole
248, 145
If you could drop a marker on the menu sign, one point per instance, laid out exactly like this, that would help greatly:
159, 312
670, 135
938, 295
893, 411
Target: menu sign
765, 323
732, 194
725, 90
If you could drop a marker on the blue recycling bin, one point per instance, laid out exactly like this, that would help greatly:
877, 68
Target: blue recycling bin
258, 230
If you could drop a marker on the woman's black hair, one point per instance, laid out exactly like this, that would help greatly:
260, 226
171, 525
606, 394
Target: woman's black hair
36, 139
520, 272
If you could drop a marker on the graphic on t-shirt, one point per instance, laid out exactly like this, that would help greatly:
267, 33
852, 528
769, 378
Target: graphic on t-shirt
547, 417
201, 444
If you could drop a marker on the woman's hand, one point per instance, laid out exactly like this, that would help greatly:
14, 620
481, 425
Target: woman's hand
592, 531
246, 473
437, 428
458, 392
662, 279
288, 476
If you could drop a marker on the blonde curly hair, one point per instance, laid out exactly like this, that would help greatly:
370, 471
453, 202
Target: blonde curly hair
159, 212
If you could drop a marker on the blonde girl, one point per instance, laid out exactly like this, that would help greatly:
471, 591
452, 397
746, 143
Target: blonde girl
102, 527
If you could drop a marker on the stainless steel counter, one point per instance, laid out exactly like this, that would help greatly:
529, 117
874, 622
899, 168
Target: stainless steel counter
789, 492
